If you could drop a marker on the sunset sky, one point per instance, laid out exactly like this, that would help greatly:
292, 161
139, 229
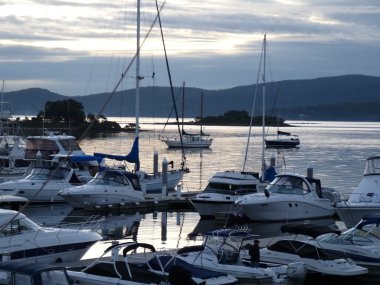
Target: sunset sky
81, 47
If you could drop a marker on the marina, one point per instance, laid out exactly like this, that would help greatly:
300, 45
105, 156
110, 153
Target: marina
173, 223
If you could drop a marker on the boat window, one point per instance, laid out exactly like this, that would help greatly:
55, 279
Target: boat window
218, 187
22, 279
69, 144
289, 185
109, 178
54, 277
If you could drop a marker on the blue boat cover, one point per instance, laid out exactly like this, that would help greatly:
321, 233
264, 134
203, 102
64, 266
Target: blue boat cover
132, 157
85, 157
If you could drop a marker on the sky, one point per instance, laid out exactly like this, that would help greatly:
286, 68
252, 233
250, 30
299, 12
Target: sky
81, 47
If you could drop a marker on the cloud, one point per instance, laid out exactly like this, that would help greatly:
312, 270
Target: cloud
79, 47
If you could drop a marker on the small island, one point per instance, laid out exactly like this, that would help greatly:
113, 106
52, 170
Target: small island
240, 118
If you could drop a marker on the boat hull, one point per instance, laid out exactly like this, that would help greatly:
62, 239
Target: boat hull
294, 208
208, 205
352, 213
101, 195
188, 144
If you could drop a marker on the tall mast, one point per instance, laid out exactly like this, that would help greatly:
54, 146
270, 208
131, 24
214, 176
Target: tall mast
201, 112
263, 134
183, 104
137, 70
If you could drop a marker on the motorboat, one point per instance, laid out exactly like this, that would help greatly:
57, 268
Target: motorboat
224, 250
295, 249
222, 190
361, 243
42, 184
11, 201
61, 150
108, 187
33, 273
122, 263
23, 239
288, 197
365, 199
151, 183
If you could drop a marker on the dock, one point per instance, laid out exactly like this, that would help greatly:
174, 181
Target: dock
153, 202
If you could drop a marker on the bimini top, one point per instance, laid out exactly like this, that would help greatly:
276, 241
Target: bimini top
311, 230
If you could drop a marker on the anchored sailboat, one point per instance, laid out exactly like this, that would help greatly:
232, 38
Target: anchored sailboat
190, 140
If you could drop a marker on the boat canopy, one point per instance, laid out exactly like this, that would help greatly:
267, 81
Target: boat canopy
311, 230
132, 157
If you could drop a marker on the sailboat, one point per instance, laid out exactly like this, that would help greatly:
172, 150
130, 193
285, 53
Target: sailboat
12, 146
199, 140
151, 183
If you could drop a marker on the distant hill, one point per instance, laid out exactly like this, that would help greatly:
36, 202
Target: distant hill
347, 97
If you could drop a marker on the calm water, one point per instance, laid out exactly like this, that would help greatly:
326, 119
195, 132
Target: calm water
337, 152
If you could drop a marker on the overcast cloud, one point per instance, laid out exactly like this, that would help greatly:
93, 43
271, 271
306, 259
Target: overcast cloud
81, 47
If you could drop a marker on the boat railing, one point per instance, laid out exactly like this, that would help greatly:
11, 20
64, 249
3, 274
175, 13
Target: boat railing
93, 222
359, 197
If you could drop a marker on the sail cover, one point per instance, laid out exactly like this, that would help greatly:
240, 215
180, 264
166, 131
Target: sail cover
132, 157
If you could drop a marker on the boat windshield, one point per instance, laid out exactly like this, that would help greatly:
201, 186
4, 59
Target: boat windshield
45, 173
109, 178
214, 187
372, 166
19, 226
289, 185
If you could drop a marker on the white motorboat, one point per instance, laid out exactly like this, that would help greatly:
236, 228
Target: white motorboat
33, 273
365, 199
288, 197
139, 262
361, 243
63, 150
108, 187
42, 184
22, 239
224, 250
222, 191
316, 260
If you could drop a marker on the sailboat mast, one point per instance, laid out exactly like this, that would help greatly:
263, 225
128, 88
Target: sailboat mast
183, 104
137, 127
263, 133
201, 112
